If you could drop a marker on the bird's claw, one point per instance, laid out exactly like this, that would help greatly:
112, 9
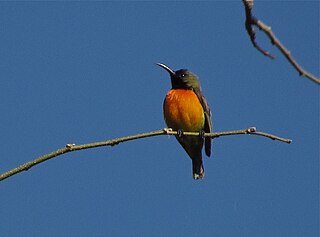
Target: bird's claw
201, 133
180, 132
167, 130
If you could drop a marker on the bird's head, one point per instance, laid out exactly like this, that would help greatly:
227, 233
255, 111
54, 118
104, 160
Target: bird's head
182, 79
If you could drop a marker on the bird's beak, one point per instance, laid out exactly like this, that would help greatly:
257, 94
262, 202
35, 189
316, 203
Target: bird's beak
171, 72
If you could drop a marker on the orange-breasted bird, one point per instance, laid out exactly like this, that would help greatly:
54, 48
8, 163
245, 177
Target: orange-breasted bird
186, 109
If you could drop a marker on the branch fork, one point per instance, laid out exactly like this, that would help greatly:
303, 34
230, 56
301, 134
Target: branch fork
252, 21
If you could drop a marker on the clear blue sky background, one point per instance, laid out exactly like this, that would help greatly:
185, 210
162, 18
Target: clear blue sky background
79, 72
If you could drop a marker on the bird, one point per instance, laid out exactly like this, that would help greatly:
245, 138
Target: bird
186, 109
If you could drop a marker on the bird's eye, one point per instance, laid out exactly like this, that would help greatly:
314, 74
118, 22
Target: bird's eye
182, 75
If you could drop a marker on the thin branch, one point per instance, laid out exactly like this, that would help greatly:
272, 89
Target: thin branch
249, 23
251, 130
166, 131
253, 21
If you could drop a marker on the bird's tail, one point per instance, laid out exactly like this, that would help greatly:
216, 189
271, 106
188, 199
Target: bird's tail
197, 168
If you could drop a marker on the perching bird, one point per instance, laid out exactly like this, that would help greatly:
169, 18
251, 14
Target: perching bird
186, 109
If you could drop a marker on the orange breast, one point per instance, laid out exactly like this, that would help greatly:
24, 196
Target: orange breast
183, 110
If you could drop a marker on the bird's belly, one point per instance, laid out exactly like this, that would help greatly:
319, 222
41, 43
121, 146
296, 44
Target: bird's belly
183, 110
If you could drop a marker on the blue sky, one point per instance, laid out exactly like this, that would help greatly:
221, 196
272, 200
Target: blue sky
80, 72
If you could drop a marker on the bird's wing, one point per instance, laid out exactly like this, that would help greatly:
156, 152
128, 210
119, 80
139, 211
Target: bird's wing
207, 123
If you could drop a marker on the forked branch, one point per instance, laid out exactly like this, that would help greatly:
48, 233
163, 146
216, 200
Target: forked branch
252, 21
74, 147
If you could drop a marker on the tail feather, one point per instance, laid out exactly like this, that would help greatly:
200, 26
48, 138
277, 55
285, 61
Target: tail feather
197, 168
193, 146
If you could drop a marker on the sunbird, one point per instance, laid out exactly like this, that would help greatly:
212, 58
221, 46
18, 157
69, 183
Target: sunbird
186, 109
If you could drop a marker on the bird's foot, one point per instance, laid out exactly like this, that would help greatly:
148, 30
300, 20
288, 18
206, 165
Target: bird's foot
180, 132
201, 133
167, 130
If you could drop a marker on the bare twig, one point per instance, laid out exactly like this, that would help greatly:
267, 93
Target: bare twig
249, 23
253, 21
74, 147
251, 130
